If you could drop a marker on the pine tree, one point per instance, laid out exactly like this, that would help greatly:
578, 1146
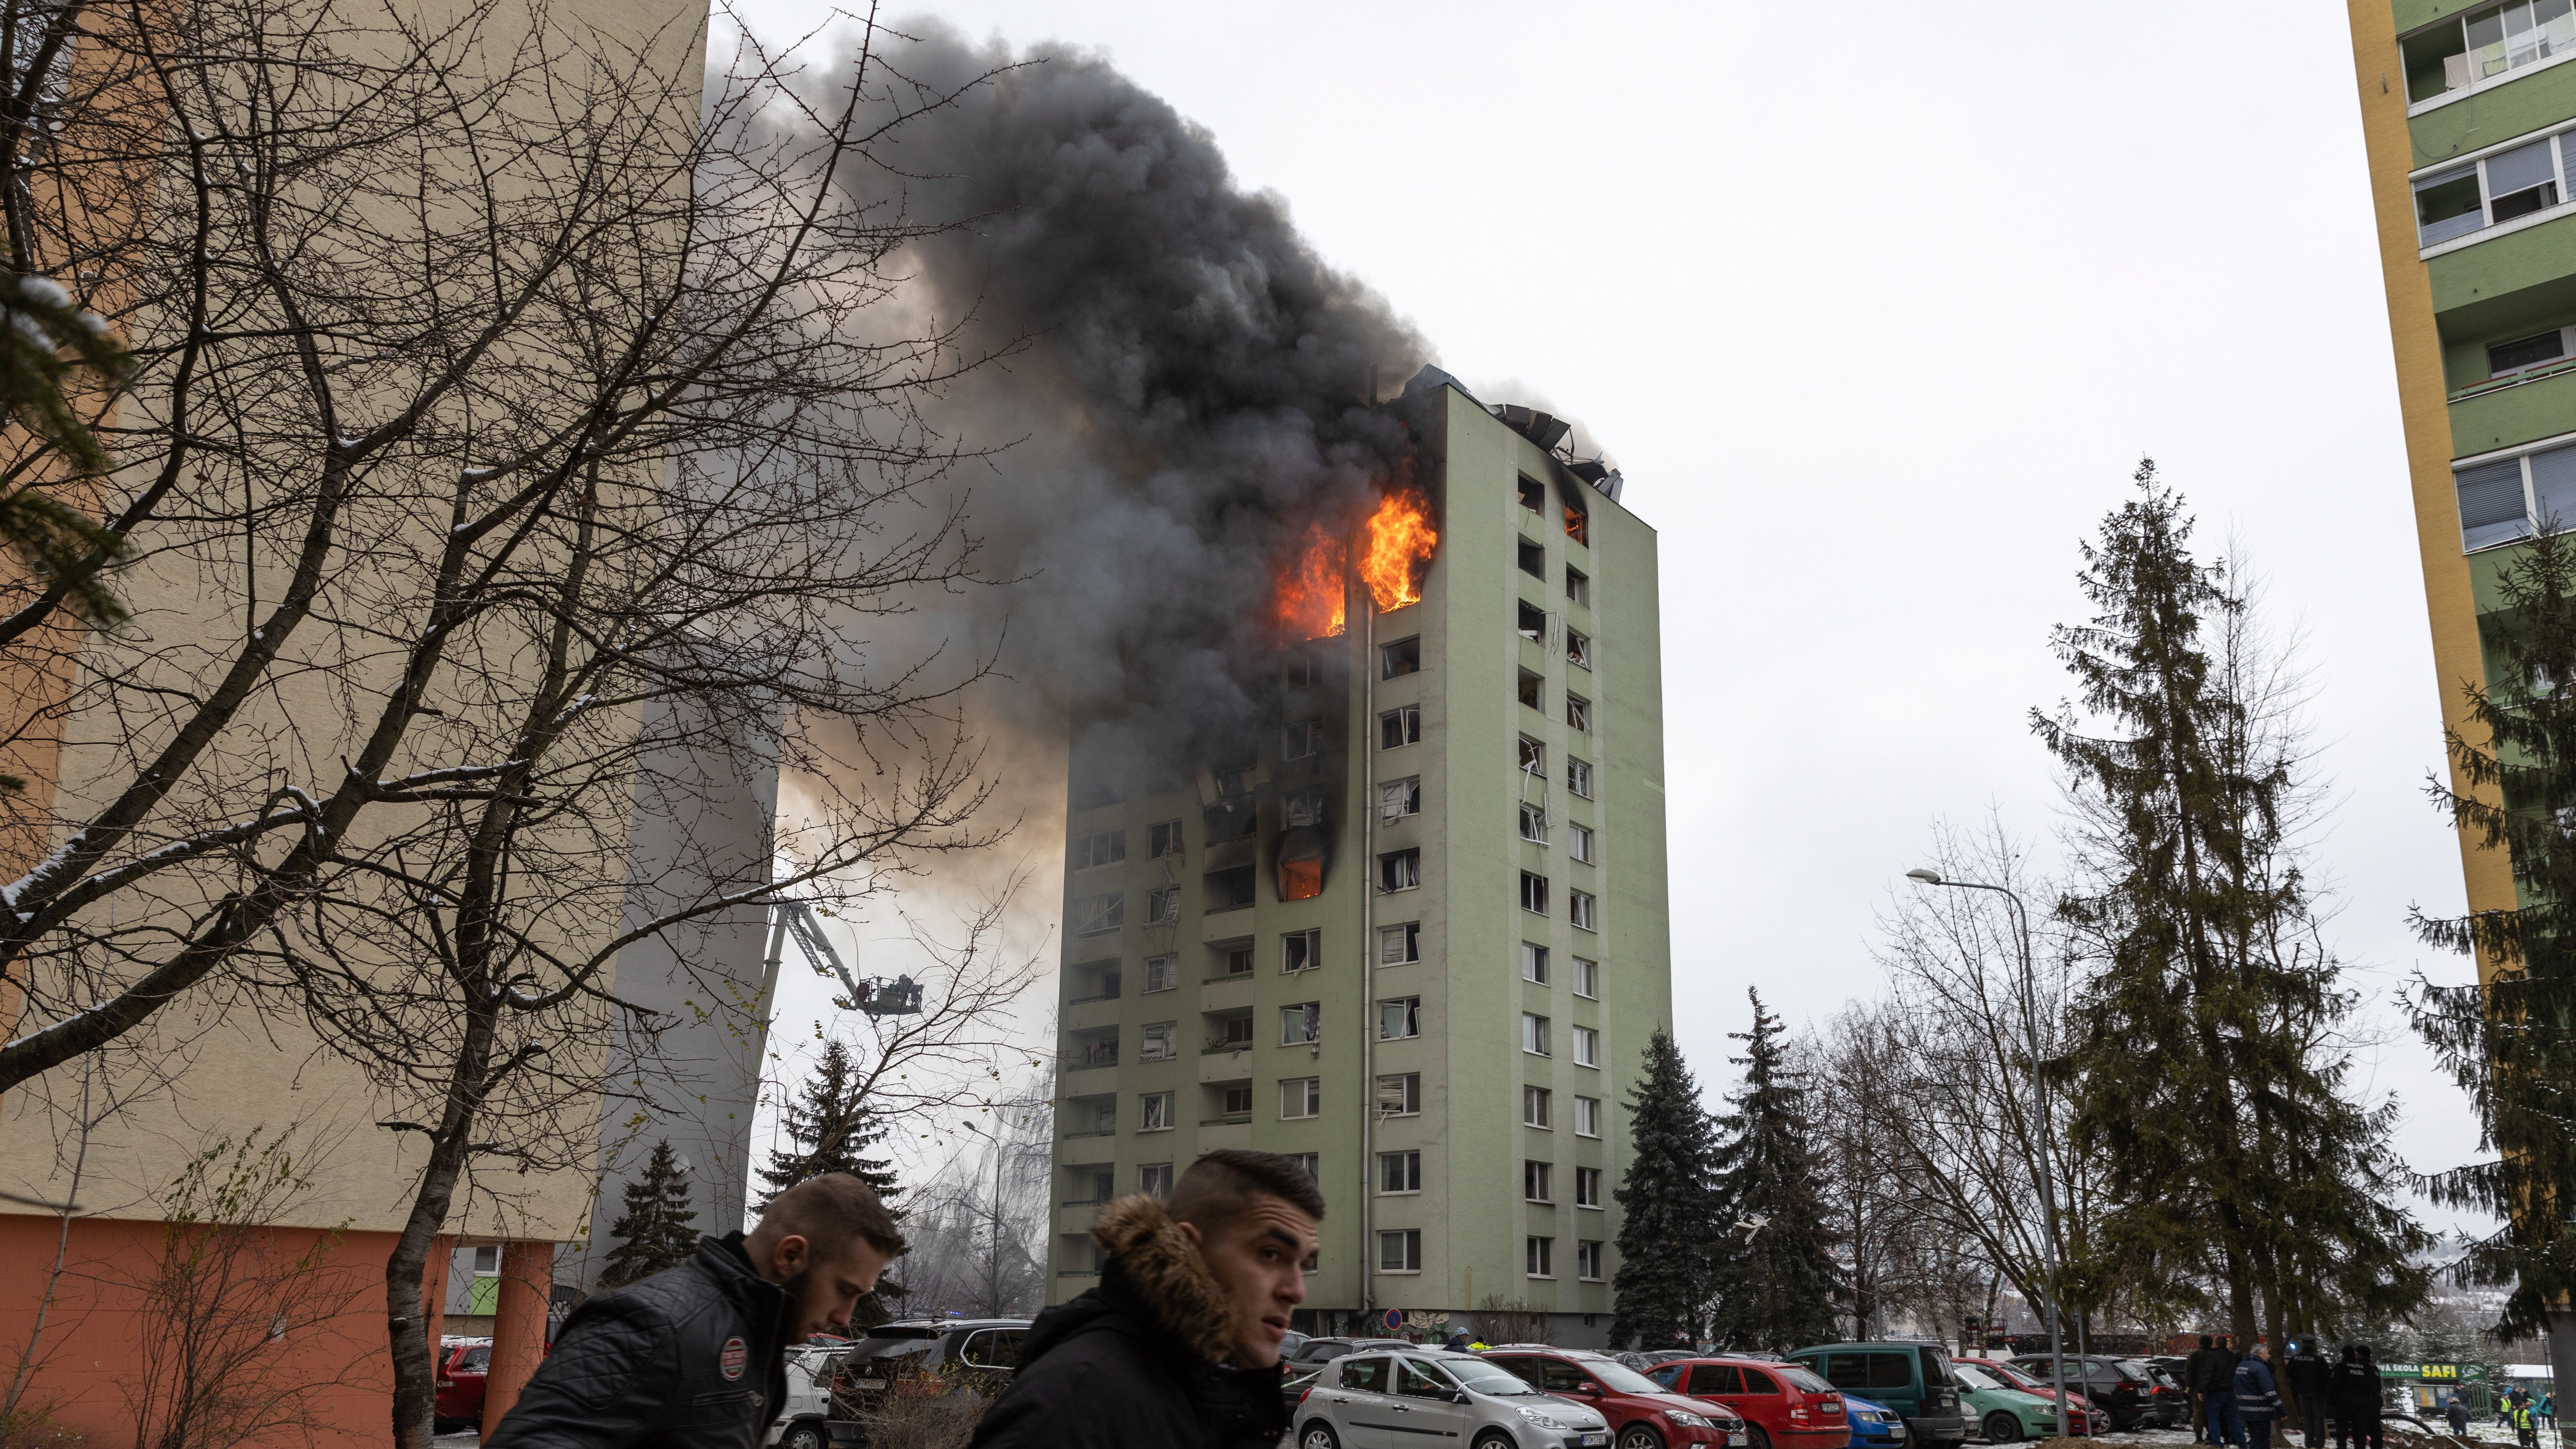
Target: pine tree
2207, 1077
1667, 1214
828, 1127
2511, 1041
655, 1232
1772, 1274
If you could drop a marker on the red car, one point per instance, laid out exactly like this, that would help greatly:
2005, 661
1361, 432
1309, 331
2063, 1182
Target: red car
1642, 1413
1784, 1406
2091, 1418
463, 1363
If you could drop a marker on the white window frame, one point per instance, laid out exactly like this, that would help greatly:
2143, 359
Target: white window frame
1087, 856
1586, 978
1179, 843
1534, 1034
1587, 1116
1404, 867
1578, 713
1399, 799
1314, 952
1583, 910
1407, 1013
2521, 453
1540, 1256
1099, 915
2563, 154
1578, 777
1587, 1047
1155, 1105
1541, 908
1407, 1243
1163, 906
1533, 823
1578, 843
1538, 1180
1167, 1033
1301, 1023
1578, 587
1537, 1108
1307, 1092
1408, 1094
1407, 1168
2477, 85
1534, 962
1578, 649
1587, 1260
1408, 726
1591, 1176
1154, 1179
1406, 937
1170, 969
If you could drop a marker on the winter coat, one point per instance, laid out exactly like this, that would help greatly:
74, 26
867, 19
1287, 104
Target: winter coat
1138, 1362
2458, 1414
2218, 1371
2257, 1396
2192, 1366
2356, 1391
2309, 1376
690, 1358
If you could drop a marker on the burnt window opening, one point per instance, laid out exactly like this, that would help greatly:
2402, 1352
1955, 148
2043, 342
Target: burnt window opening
1399, 870
1533, 494
1578, 587
1302, 807
1533, 560
1302, 856
1400, 727
1299, 669
1167, 840
1398, 798
1301, 951
1533, 622
1530, 689
1228, 890
1301, 739
1400, 658
1232, 821
1578, 525
1103, 847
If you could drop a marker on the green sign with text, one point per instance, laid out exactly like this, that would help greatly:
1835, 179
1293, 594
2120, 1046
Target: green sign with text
2449, 1373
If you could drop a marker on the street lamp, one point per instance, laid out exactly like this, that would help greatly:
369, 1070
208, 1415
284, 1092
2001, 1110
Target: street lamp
993, 1264
2041, 1170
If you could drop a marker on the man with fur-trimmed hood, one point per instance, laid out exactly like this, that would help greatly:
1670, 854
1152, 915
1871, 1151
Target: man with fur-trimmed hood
1178, 1348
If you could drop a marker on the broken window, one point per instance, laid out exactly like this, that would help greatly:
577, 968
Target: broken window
1534, 893
1533, 756
1162, 1042
1533, 962
1534, 823
1233, 819
1399, 1018
1578, 843
1399, 798
1399, 945
1301, 951
1302, 853
1577, 526
1533, 494
1400, 658
1578, 714
1167, 839
1529, 691
1399, 727
1578, 587
1228, 890
1578, 650
1162, 973
1399, 1096
1578, 777
1399, 870
1303, 807
1095, 914
1105, 847
1302, 1024
1533, 560
1157, 1116
1298, 670
1579, 909
1301, 738
1533, 622
1163, 907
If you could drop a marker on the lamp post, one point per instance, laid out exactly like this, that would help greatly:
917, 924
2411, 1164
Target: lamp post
993, 1260
2043, 1170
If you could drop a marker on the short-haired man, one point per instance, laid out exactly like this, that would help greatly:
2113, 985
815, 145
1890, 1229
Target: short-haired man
1178, 1348
694, 1356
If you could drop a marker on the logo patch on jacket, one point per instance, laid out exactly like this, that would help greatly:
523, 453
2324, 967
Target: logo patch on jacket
733, 1358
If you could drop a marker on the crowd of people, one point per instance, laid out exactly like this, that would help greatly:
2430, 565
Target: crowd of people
2236, 1398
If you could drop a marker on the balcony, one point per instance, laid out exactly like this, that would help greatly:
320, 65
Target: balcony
1100, 1054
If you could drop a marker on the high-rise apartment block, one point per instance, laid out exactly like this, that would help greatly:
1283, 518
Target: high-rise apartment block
1416, 933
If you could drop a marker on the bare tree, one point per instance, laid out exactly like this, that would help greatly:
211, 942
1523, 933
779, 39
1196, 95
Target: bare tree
978, 1226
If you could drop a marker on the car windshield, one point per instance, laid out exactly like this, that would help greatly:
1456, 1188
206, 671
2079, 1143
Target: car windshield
1621, 1378
895, 1343
1486, 1378
1801, 1380
2013, 1377
1971, 1377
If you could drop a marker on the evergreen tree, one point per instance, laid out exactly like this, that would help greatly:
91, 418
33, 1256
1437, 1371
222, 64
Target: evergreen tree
2207, 1074
829, 1127
2510, 1042
1772, 1277
1668, 1218
656, 1231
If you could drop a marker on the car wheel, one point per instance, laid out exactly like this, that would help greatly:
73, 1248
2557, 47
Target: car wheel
1640, 1436
804, 1434
1756, 1437
1495, 1439
2002, 1428
1318, 1435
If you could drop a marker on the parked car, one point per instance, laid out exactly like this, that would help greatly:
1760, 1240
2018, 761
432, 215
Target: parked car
2127, 1395
1783, 1405
934, 1346
1642, 1414
1315, 1351
2172, 1403
1378, 1398
2003, 1412
1644, 1359
2088, 1417
806, 1420
1914, 1379
1873, 1425
463, 1365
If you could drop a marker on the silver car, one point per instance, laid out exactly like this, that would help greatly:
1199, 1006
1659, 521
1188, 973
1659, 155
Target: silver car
1375, 1399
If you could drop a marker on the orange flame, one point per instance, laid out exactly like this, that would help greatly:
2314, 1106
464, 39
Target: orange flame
1310, 599
1400, 538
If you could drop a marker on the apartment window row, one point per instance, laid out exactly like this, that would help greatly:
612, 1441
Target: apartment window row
1579, 839
1538, 1105
2456, 201
1400, 1174
1586, 975
1100, 847
2502, 499
1582, 908
1533, 762
1533, 695
2486, 47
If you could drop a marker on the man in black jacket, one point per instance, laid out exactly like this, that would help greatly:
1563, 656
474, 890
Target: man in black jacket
694, 1356
2356, 1399
2310, 1379
2218, 1395
2191, 1370
1178, 1348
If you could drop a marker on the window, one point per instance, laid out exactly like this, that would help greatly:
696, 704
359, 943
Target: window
1534, 893
1228, 890
1157, 1114
1154, 1179
1533, 560
1587, 1187
1538, 1181
1399, 727
1587, 978
1162, 1042
1542, 1257
2458, 200
1533, 963
1399, 1018
1237, 961
1399, 945
1587, 1260
1301, 1097
487, 1261
1399, 1172
1167, 840
1236, 1101
1299, 669
2485, 47
1233, 1031
1162, 973
1368, 1375
1398, 798
1534, 1034
1577, 526
1301, 738
1533, 622
1578, 909
1578, 650
1302, 807
1096, 914
1534, 1105
1578, 714
1399, 870
1400, 1251
2524, 353
1302, 1024
1530, 688
1578, 587
1311, 1164
2500, 498
1106, 847
1587, 1116
1534, 824
1163, 907
1400, 658
1399, 1096
1578, 844
1533, 757
1578, 777
1533, 494
1301, 951
1587, 1047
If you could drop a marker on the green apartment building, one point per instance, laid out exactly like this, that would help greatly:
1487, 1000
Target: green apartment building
1419, 936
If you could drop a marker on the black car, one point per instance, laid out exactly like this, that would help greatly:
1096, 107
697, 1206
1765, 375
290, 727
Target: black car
2121, 1388
987, 1348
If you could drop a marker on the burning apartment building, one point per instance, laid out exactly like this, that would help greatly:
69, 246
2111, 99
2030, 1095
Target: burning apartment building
1411, 924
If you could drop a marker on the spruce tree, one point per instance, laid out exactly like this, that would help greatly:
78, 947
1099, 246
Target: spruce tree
2510, 1042
1667, 1214
655, 1232
2206, 1077
829, 1128
1772, 1274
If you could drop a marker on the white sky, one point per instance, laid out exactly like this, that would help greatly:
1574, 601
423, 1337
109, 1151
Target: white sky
1878, 305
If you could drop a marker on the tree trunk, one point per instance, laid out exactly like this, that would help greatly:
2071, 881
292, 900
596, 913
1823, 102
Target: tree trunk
415, 1403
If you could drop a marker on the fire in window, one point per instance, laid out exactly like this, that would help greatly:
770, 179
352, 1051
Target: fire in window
1578, 527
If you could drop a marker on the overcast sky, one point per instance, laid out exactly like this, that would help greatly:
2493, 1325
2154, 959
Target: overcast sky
1878, 306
